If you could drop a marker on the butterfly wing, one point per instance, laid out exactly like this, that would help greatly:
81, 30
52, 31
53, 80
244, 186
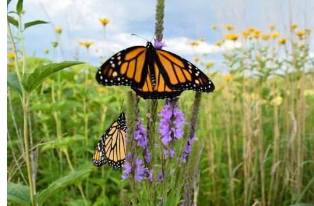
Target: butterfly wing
158, 91
111, 148
180, 74
127, 67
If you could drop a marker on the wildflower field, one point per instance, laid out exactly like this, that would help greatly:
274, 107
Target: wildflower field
250, 142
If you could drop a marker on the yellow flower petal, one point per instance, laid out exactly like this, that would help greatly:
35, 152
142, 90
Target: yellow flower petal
229, 27
194, 43
210, 64
300, 33
227, 78
231, 36
265, 36
293, 27
104, 21
282, 41
197, 59
274, 35
214, 26
11, 55
58, 30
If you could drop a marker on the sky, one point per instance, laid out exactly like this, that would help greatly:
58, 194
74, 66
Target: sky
184, 21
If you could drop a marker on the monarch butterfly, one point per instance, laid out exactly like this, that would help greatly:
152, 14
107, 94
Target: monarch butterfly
111, 147
153, 73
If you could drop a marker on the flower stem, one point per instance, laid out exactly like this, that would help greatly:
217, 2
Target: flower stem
27, 157
195, 110
15, 52
160, 8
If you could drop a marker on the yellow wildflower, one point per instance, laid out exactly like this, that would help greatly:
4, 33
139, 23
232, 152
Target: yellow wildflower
58, 30
272, 27
229, 27
232, 36
227, 78
194, 43
282, 41
11, 55
274, 35
257, 34
265, 36
46, 51
245, 33
214, 26
10, 64
201, 39
104, 21
293, 27
210, 64
251, 29
86, 44
300, 33
219, 43
277, 101
197, 59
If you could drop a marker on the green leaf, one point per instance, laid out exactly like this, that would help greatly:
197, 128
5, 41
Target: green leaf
31, 81
33, 23
13, 21
19, 6
18, 194
14, 83
60, 183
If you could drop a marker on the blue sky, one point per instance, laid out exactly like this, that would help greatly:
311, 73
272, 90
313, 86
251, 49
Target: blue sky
184, 21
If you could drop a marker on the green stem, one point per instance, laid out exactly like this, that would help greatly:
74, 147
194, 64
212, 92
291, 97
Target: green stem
27, 157
22, 43
15, 52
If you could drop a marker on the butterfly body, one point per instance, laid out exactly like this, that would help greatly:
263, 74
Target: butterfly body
111, 148
153, 73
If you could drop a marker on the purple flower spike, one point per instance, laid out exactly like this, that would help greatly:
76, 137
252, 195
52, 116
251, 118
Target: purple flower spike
158, 44
127, 167
170, 153
140, 171
141, 135
171, 123
160, 176
187, 149
147, 155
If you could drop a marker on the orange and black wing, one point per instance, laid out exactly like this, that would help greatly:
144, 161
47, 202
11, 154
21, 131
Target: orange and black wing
159, 90
127, 67
111, 148
173, 75
180, 74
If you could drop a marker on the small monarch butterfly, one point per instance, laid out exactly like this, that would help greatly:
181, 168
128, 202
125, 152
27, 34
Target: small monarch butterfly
111, 147
153, 73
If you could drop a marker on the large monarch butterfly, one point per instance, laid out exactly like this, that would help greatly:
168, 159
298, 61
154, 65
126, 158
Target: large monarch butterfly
111, 147
153, 73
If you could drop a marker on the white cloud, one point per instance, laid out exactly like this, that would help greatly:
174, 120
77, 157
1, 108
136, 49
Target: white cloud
82, 15
179, 45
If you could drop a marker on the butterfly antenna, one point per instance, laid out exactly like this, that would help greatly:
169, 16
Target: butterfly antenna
139, 36
153, 38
